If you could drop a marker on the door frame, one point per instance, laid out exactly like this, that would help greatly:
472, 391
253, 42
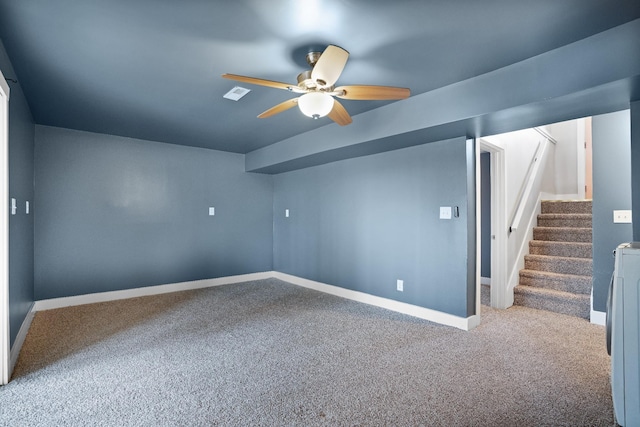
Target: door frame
499, 285
5, 346
584, 158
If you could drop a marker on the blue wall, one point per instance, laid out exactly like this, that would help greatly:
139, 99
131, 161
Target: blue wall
21, 136
611, 191
363, 223
116, 213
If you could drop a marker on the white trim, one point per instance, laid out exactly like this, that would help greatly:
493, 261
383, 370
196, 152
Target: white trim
514, 277
400, 307
478, 213
463, 323
597, 317
501, 295
5, 334
531, 184
4, 87
546, 135
485, 281
53, 303
22, 335
580, 157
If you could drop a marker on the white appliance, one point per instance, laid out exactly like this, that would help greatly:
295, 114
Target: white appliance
623, 328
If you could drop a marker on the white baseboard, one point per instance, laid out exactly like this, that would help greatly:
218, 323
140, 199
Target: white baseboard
464, 323
22, 335
49, 304
598, 317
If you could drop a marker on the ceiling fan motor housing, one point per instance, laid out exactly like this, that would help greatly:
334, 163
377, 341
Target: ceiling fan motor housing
305, 81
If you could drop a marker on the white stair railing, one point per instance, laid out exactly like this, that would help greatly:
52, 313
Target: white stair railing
528, 184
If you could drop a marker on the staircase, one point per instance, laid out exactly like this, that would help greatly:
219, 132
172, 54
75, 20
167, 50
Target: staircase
557, 272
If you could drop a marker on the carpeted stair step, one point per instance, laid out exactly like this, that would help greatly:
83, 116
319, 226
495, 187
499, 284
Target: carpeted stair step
564, 220
551, 300
556, 264
563, 234
558, 270
556, 281
564, 249
566, 206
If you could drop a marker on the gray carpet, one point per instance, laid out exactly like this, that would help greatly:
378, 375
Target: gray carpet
269, 353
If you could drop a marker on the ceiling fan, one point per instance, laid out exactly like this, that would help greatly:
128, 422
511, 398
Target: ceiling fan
318, 91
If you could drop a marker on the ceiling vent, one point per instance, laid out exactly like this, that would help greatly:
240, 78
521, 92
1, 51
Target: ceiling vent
236, 93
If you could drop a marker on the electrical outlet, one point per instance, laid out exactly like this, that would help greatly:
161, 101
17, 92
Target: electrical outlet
400, 285
212, 211
622, 217
445, 212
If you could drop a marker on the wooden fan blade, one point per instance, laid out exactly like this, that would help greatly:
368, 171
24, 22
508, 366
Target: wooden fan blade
339, 115
372, 93
261, 82
329, 66
283, 106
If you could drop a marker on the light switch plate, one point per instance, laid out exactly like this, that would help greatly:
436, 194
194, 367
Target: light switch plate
286, 213
212, 211
622, 217
445, 212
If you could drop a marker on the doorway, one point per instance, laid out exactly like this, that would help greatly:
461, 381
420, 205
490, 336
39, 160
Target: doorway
548, 169
492, 156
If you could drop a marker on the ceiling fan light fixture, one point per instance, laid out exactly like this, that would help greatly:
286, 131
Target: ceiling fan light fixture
318, 88
315, 104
